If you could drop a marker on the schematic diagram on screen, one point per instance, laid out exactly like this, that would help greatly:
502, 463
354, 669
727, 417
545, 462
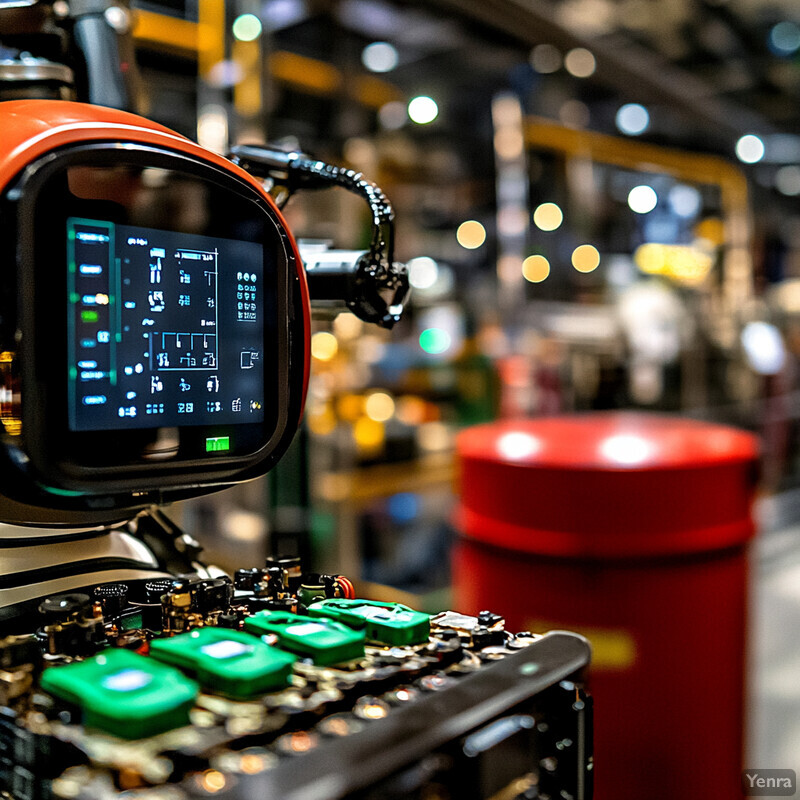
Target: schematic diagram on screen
164, 327
198, 292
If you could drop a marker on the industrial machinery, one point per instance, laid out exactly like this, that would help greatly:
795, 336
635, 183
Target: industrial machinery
154, 346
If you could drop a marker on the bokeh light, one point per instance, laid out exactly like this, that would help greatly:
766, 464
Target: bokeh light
392, 115
423, 110
247, 27
423, 272
685, 200
379, 406
784, 38
642, 199
379, 57
787, 180
763, 347
324, 346
633, 119
435, 341
586, 258
535, 268
580, 62
546, 58
369, 434
471, 234
750, 149
548, 217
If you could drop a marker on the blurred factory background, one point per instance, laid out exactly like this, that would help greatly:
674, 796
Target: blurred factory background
599, 204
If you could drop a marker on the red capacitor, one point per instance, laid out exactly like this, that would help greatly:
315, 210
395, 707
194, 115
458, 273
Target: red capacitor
632, 529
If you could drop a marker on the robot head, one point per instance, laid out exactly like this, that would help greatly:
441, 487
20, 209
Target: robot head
154, 318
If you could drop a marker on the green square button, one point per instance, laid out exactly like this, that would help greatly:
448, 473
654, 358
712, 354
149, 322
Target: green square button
324, 641
226, 661
123, 693
387, 623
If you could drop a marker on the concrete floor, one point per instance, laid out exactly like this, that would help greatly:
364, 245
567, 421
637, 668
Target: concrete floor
774, 720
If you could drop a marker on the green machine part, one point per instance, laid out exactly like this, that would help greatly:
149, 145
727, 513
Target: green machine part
229, 662
123, 693
324, 641
388, 623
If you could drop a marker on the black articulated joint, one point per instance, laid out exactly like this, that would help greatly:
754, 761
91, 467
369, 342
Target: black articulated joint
371, 284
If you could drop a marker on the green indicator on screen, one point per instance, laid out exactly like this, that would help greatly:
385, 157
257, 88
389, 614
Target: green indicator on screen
216, 444
89, 316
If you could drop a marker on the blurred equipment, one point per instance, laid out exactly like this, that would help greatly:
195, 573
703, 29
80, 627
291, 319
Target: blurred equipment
632, 529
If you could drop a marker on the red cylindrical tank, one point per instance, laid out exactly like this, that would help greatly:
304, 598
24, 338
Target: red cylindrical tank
631, 529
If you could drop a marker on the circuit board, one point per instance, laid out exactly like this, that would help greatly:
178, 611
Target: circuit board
279, 684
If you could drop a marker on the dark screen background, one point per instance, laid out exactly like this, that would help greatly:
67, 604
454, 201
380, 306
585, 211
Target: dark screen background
165, 328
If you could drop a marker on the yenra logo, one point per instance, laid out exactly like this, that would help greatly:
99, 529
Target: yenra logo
769, 782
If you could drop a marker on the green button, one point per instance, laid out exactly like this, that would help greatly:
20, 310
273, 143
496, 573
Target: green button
89, 316
226, 661
322, 640
123, 693
216, 444
387, 623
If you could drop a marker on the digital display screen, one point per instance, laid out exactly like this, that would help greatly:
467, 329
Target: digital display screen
165, 329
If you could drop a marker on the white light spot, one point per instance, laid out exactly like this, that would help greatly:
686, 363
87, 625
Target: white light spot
379, 57
423, 110
763, 347
518, 445
750, 149
642, 199
247, 27
633, 119
422, 272
127, 680
626, 449
227, 648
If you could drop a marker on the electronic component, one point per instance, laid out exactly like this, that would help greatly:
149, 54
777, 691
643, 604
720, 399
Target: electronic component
322, 640
387, 623
73, 625
20, 662
453, 711
230, 662
124, 693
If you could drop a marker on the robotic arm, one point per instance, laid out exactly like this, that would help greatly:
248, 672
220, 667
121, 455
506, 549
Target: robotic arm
372, 285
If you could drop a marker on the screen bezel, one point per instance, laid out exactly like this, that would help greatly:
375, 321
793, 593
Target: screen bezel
88, 460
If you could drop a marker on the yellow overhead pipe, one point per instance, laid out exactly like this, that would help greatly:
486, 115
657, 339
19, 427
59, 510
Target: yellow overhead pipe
692, 167
165, 32
206, 40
